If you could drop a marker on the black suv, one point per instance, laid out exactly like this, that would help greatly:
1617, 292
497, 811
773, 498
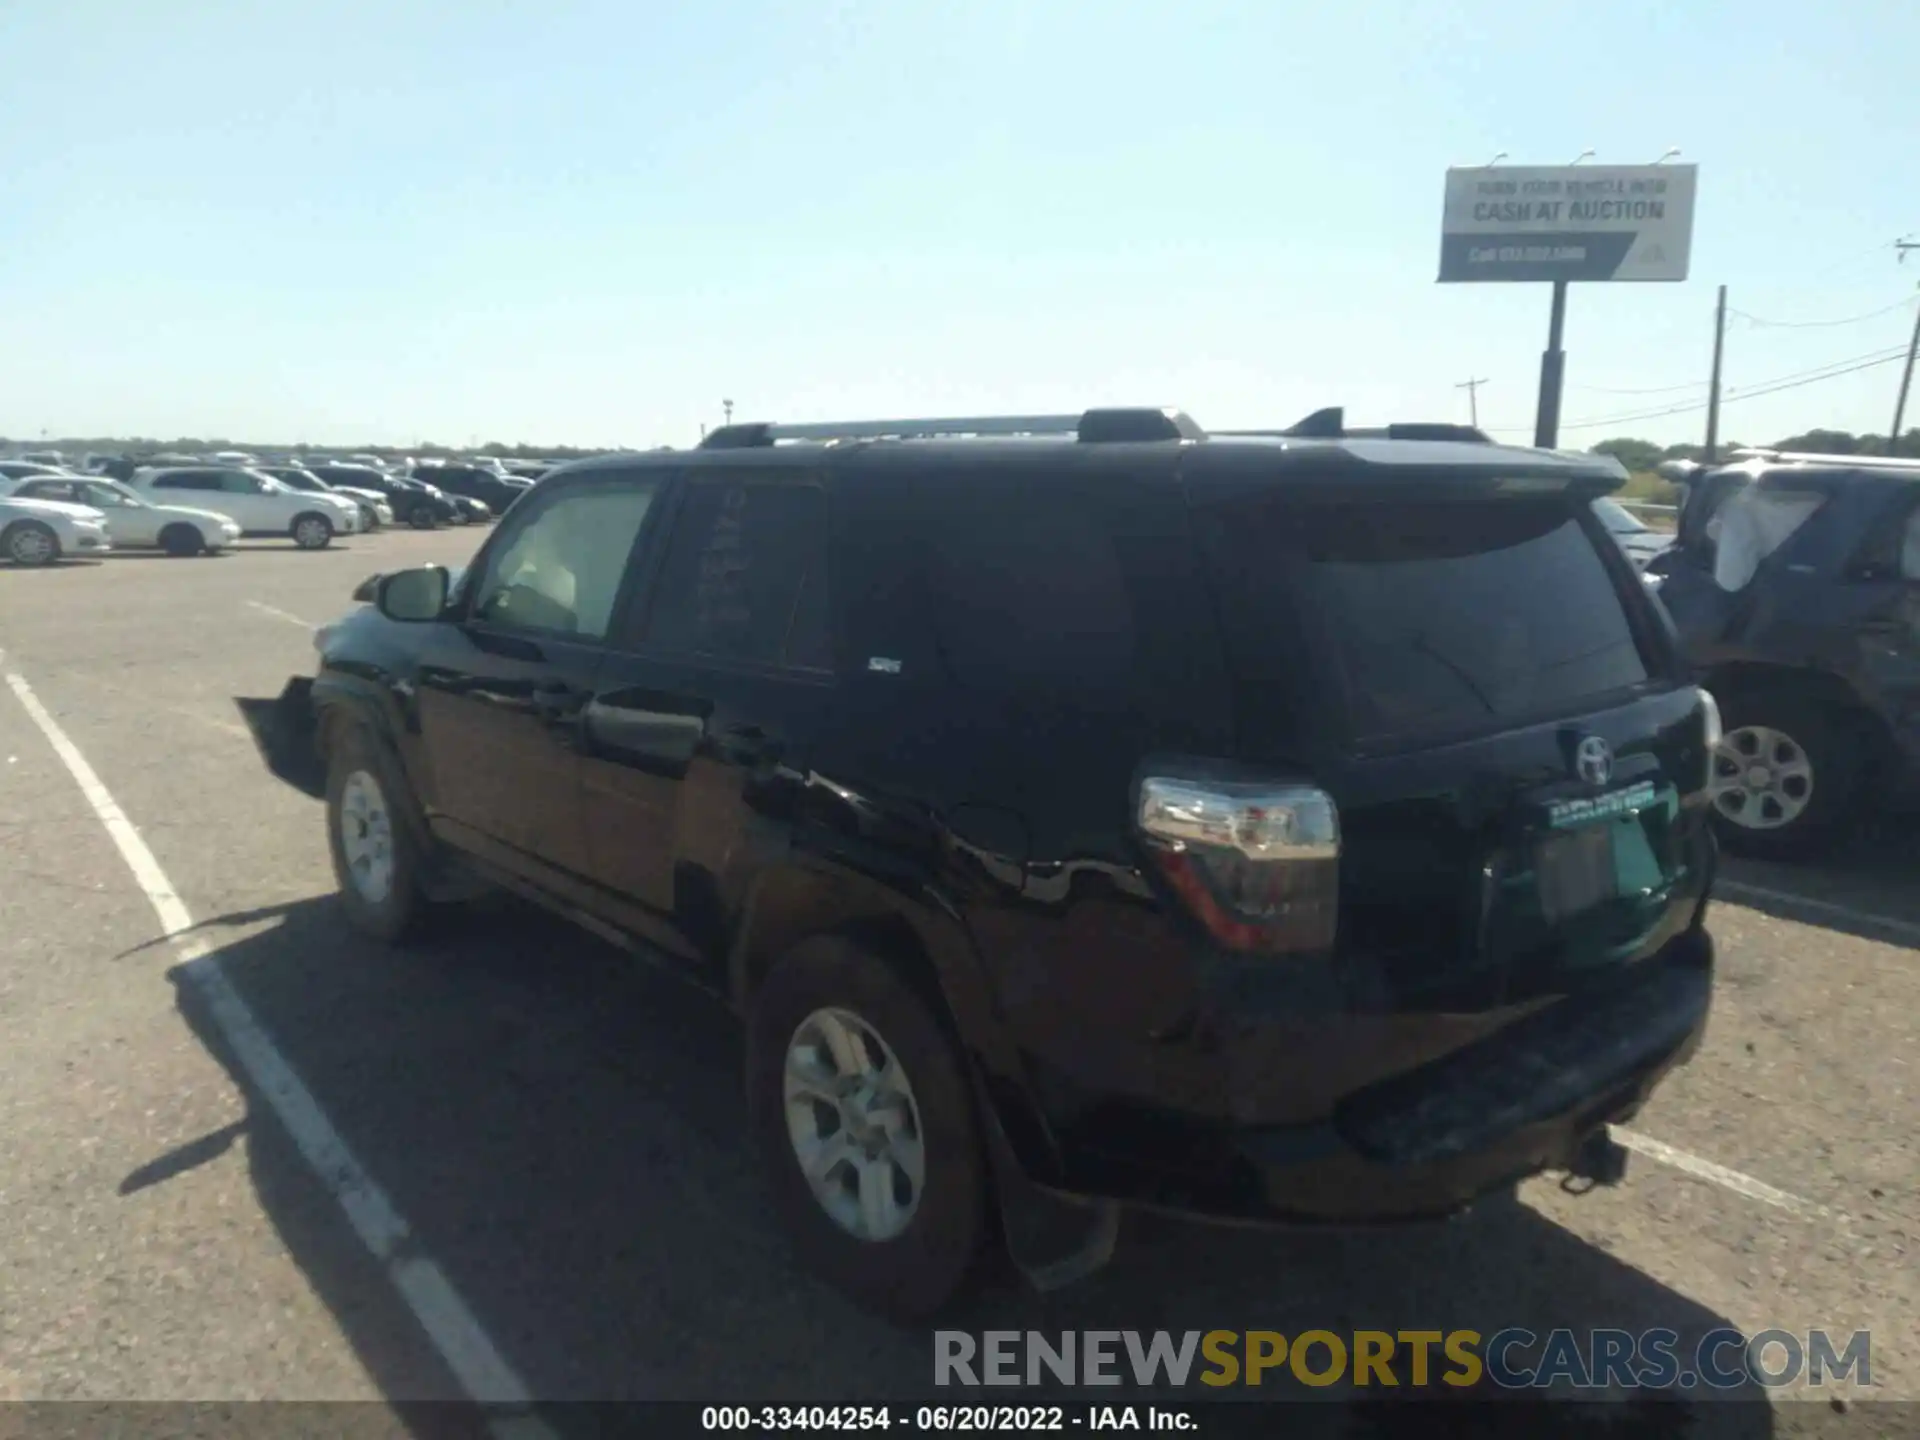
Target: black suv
420, 506
475, 483
1083, 812
1795, 586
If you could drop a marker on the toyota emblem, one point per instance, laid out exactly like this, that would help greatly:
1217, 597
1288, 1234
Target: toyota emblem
1593, 760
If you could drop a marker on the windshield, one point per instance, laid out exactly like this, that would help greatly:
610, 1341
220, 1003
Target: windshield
1432, 616
112, 492
1617, 518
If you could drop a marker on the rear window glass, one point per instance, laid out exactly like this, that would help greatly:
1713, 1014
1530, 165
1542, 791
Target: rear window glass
1752, 525
1430, 617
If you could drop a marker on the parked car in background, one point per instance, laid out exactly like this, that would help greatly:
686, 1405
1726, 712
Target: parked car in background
1640, 540
414, 504
234, 457
55, 458
494, 491
22, 469
260, 503
35, 533
133, 521
1795, 588
1278, 831
375, 510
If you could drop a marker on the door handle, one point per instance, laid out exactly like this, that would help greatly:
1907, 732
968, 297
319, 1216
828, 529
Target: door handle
558, 702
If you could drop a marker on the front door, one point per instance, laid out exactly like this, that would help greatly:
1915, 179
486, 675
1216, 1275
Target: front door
503, 688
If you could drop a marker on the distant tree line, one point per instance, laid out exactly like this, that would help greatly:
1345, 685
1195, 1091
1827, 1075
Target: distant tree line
1644, 455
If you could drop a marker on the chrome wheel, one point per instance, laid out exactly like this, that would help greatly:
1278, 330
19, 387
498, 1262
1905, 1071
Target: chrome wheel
312, 533
1762, 778
854, 1125
32, 545
366, 837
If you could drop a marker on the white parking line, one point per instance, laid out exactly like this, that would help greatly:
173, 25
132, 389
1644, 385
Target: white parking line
280, 614
1734, 1180
1736, 890
452, 1328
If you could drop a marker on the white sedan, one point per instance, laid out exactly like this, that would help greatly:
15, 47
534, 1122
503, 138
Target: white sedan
261, 504
38, 532
133, 521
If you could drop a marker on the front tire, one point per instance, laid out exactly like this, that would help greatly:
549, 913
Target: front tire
30, 544
421, 518
311, 531
1786, 775
865, 1124
181, 541
376, 857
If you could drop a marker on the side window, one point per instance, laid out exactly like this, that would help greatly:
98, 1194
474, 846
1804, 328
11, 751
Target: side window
103, 496
1029, 590
237, 482
180, 480
745, 576
560, 566
44, 490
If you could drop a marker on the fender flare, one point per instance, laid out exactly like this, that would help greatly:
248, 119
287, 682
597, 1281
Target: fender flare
810, 894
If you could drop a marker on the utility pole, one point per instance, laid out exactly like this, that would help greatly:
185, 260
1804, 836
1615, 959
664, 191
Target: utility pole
1553, 370
1906, 373
1713, 385
1472, 387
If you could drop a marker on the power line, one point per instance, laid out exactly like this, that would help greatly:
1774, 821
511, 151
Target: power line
1820, 324
1756, 390
1655, 390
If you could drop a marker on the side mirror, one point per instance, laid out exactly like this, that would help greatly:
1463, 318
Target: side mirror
413, 595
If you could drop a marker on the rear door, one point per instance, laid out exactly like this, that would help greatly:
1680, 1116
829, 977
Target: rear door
1493, 705
502, 690
127, 523
702, 721
1884, 581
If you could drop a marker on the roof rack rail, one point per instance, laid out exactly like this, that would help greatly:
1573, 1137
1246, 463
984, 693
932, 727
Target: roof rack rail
1331, 424
1090, 427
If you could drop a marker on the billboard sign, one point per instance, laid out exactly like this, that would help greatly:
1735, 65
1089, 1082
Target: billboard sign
1567, 222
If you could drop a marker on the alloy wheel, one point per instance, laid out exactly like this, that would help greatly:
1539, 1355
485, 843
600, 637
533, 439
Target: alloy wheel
854, 1125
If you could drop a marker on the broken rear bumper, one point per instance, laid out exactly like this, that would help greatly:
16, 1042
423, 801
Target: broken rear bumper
1427, 1143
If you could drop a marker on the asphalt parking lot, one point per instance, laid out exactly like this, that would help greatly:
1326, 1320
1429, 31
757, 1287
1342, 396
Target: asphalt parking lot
556, 1131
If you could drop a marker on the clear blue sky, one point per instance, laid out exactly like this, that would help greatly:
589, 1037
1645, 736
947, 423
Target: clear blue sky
589, 222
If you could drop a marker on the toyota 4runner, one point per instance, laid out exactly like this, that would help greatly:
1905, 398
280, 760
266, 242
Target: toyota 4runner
1082, 811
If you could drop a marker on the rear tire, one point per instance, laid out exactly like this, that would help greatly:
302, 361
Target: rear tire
930, 1233
311, 531
181, 541
377, 860
30, 544
1786, 775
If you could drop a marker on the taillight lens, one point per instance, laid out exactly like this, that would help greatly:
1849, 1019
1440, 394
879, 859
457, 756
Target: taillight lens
1257, 863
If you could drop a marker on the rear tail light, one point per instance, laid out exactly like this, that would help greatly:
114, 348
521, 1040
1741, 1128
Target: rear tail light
1257, 863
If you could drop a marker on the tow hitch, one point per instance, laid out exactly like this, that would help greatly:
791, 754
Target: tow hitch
1600, 1160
